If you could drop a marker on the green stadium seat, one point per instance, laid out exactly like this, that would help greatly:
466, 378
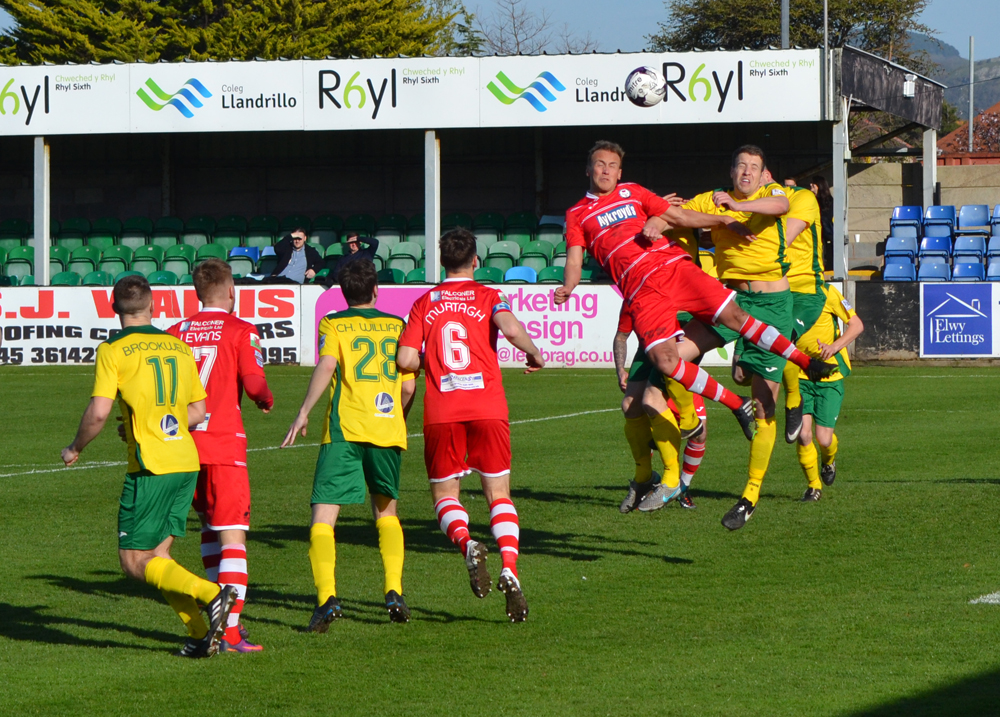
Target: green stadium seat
227, 239
392, 276
99, 278
212, 251
58, 259
521, 238
488, 275
362, 223
198, 231
66, 278
14, 229
329, 221
102, 241
241, 264
482, 250
390, 240
232, 223
115, 259
392, 221
84, 260
179, 259
68, 243
336, 250
9, 243
186, 279
552, 233
416, 236
416, 222
136, 231
587, 275
168, 225
107, 225
503, 255
132, 241
164, 240
147, 259
122, 275
320, 276
416, 276
163, 278
404, 256
537, 255
76, 228
487, 235
28, 280
551, 275
522, 220
258, 239
289, 223
456, 219
385, 251
323, 237
261, 231
489, 220
3, 255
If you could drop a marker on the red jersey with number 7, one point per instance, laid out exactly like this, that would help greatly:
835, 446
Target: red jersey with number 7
453, 322
227, 351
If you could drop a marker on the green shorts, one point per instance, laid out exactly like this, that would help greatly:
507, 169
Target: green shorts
343, 470
154, 507
774, 309
806, 309
822, 400
644, 370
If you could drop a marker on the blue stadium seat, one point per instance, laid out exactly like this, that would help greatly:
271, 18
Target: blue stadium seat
520, 275
938, 230
993, 271
995, 219
970, 245
901, 247
940, 215
968, 271
904, 230
993, 249
935, 246
252, 252
934, 271
899, 272
906, 216
973, 219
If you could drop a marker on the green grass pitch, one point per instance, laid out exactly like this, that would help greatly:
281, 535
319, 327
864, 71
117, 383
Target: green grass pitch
856, 605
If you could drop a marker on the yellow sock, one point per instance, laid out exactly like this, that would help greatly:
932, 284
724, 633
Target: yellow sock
667, 437
187, 610
390, 544
638, 435
790, 380
829, 453
168, 575
807, 459
684, 401
323, 558
760, 456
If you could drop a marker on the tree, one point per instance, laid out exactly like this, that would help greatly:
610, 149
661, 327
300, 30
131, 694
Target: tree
83, 31
460, 37
881, 27
513, 29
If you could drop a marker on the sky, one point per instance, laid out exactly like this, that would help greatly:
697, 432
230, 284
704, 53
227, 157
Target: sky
624, 24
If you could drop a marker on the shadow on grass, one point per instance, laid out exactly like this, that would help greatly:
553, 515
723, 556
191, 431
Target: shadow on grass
978, 695
32, 624
118, 586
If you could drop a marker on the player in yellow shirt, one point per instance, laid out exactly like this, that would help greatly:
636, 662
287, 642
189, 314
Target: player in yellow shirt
756, 269
155, 379
363, 436
821, 400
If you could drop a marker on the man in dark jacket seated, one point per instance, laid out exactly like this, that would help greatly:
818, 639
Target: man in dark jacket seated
297, 261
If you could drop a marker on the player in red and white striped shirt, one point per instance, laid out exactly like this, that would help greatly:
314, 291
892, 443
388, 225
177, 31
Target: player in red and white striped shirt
466, 426
230, 361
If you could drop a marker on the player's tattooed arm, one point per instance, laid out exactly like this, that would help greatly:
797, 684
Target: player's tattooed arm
620, 351
93, 420
571, 274
319, 384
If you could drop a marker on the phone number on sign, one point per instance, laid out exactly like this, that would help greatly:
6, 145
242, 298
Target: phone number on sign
52, 354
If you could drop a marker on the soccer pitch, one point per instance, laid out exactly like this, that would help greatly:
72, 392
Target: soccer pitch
856, 605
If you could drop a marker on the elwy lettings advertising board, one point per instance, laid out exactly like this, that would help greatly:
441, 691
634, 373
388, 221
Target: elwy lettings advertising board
959, 320
410, 93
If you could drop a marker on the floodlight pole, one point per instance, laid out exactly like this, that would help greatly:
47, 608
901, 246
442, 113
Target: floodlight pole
972, 87
432, 206
784, 24
42, 222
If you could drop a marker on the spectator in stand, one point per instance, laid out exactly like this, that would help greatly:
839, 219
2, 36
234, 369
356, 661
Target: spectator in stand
297, 261
355, 247
821, 188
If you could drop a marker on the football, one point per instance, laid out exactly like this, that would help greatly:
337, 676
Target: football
645, 87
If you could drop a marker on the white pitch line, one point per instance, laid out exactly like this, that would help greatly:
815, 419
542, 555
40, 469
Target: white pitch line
105, 464
991, 599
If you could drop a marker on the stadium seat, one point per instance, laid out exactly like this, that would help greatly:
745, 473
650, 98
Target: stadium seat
147, 259
186, 279
969, 245
522, 220
482, 250
232, 223
10, 242
99, 278
906, 216
28, 280
84, 260
293, 222
14, 229
416, 276
320, 277
68, 243
179, 259
503, 255
938, 230
392, 276
262, 231
902, 271
333, 254
211, 251
392, 221
934, 271
904, 230
76, 228
968, 271
521, 275
935, 246
167, 231
901, 247
405, 256
973, 219
198, 231
58, 259
488, 275
364, 224
323, 237
939, 215
489, 220
551, 275
227, 239
329, 221
552, 233
416, 222
100, 240
134, 237
456, 219
487, 235
993, 271
537, 255
993, 248
115, 259
243, 259
122, 275
390, 238
163, 278
267, 262
520, 237
587, 275
416, 237
66, 278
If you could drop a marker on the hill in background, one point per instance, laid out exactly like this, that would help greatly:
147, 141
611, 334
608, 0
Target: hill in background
953, 70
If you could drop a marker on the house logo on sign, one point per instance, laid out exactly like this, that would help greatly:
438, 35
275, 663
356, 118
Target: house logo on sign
958, 320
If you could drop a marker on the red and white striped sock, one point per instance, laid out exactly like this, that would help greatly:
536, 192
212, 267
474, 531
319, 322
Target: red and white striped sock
693, 453
454, 522
233, 571
696, 380
770, 339
210, 550
506, 531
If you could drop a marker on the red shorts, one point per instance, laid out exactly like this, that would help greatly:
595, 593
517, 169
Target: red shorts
678, 286
222, 497
453, 450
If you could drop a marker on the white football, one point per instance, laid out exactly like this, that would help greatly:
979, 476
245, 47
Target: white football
645, 87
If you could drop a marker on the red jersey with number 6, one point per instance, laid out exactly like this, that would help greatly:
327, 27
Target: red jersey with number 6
227, 350
453, 322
